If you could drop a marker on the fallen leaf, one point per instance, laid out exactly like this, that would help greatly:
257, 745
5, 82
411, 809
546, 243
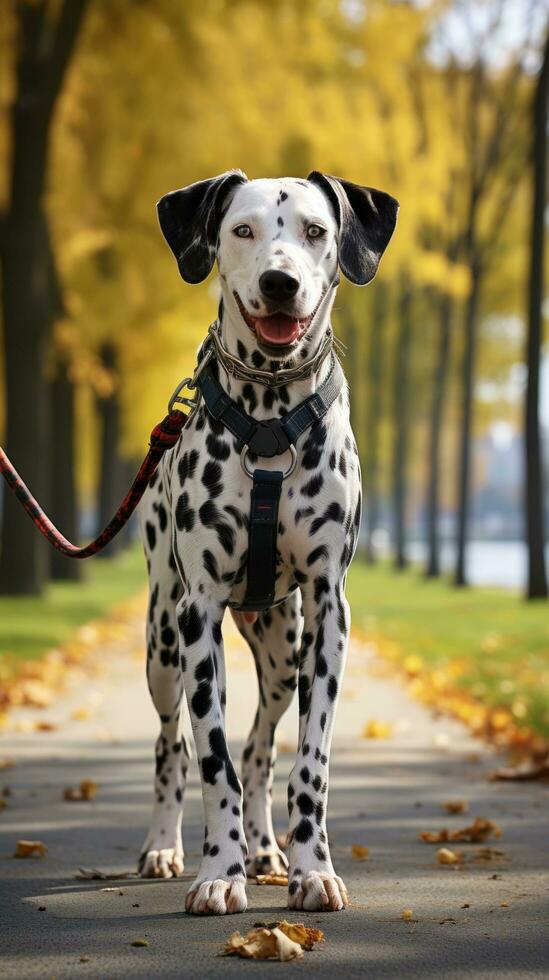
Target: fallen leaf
359, 852
488, 854
263, 944
504, 905
85, 792
276, 941
445, 856
81, 714
529, 770
455, 806
94, 874
475, 833
306, 936
29, 848
6, 763
466, 905
271, 879
407, 915
45, 726
377, 729
139, 942
3, 804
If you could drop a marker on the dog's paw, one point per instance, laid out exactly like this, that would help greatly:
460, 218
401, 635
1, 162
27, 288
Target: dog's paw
318, 891
162, 863
266, 862
219, 897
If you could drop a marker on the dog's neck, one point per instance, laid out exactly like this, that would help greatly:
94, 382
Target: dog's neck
260, 400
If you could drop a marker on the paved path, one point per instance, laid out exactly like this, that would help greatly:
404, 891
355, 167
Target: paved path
383, 793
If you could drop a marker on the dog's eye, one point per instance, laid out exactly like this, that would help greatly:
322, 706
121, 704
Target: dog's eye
315, 231
243, 231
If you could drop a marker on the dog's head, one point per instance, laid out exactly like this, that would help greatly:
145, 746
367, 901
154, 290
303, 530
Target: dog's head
278, 245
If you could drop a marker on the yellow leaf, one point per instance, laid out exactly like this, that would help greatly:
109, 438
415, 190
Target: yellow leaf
377, 729
29, 848
359, 852
445, 856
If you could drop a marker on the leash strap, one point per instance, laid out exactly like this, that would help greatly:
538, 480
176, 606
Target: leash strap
164, 436
261, 566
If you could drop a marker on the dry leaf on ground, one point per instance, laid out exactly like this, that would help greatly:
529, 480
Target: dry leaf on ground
271, 880
86, 791
94, 874
7, 763
139, 942
30, 848
359, 852
377, 729
263, 944
445, 856
488, 854
529, 770
407, 915
277, 941
455, 806
475, 833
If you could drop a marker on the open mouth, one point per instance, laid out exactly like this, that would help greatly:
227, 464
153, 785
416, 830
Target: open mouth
278, 329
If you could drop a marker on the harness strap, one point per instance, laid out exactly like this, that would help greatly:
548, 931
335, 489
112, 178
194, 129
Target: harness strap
270, 437
261, 565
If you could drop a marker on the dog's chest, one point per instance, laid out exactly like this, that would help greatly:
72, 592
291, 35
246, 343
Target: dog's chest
210, 500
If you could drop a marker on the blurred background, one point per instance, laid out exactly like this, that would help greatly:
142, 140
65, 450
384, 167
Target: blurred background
105, 105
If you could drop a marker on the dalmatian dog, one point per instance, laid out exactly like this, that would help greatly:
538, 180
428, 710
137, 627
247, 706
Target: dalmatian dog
279, 246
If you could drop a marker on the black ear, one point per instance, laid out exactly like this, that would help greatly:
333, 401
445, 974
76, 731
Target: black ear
190, 220
366, 219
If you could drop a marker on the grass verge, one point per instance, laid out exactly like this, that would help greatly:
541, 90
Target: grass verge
31, 626
481, 654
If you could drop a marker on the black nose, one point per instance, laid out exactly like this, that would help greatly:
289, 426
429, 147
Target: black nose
277, 285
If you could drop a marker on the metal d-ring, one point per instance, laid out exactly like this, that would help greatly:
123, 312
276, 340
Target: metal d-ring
245, 465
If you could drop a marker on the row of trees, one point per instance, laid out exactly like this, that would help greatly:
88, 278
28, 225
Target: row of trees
106, 105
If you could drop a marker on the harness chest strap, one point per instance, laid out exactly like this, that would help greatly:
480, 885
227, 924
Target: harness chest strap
268, 438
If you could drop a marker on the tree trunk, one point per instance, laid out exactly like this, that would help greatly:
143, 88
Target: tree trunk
464, 458
535, 535
113, 482
401, 426
373, 419
44, 48
440, 380
63, 496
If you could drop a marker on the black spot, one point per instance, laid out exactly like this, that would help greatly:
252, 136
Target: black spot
333, 512
313, 486
151, 535
191, 624
218, 448
304, 831
332, 688
236, 869
187, 465
211, 478
316, 553
184, 515
280, 222
210, 564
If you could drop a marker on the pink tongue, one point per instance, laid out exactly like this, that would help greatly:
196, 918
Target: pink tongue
277, 329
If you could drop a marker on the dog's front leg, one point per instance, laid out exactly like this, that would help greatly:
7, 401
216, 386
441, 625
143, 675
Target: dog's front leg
313, 881
220, 884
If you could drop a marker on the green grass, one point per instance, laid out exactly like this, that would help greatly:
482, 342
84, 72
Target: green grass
500, 640
29, 626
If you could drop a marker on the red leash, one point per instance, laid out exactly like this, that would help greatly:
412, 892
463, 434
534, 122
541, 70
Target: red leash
163, 437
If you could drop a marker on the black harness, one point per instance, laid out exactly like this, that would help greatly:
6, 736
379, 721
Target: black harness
269, 438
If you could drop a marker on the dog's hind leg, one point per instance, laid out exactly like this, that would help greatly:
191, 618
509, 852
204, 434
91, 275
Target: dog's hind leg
274, 641
162, 852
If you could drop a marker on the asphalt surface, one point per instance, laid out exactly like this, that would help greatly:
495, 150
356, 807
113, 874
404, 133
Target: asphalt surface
488, 918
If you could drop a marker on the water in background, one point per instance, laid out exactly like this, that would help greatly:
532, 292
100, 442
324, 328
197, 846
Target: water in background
500, 563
